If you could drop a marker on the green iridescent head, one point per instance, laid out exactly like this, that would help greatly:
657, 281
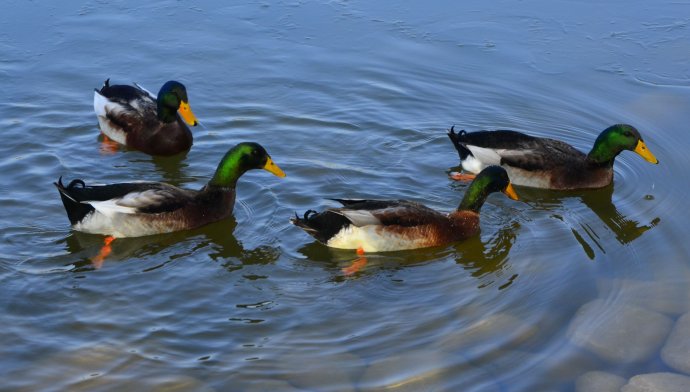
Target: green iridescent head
239, 159
491, 179
172, 98
617, 138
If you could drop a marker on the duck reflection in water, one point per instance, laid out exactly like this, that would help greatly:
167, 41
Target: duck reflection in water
485, 259
170, 168
599, 201
218, 238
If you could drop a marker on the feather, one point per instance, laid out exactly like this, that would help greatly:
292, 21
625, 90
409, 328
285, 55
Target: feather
359, 217
110, 207
150, 94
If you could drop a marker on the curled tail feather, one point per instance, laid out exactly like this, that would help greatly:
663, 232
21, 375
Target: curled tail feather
456, 138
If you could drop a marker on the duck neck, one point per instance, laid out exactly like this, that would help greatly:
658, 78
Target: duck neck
602, 153
475, 196
229, 171
166, 113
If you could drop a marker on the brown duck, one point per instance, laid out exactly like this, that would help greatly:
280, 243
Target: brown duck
388, 225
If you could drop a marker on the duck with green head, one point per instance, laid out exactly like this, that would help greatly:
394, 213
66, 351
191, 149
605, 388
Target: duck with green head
136, 209
548, 163
132, 116
389, 225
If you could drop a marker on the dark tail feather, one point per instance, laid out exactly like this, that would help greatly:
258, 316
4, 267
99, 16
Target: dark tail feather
76, 211
456, 138
322, 226
348, 202
106, 84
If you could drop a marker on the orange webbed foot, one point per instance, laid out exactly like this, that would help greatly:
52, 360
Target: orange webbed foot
356, 265
458, 176
108, 147
103, 253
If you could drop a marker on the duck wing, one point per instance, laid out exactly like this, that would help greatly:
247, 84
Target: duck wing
128, 198
512, 148
119, 103
324, 225
386, 212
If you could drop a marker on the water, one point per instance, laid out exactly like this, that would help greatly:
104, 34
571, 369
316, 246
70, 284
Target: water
351, 99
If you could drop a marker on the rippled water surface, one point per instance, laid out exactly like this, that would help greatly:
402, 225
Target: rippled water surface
351, 99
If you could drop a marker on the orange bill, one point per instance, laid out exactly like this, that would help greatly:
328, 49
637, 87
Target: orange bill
273, 168
186, 113
644, 152
510, 192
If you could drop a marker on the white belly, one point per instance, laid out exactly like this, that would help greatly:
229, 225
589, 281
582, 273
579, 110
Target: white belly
535, 179
371, 239
124, 225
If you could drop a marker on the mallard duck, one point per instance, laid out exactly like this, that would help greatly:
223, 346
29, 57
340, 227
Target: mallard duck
132, 116
388, 225
548, 163
143, 208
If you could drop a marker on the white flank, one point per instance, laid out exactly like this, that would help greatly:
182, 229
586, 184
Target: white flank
121, 225
102, 106
472, 165
99, 103
536, 179
369, 239
482, 157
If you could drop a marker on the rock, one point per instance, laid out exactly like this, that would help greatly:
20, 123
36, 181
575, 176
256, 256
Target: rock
409, 371
665, 296
619, 333
270, 385
311, 371
597, 381
676, 351
424, 370
658, 382
163, 384
495, 332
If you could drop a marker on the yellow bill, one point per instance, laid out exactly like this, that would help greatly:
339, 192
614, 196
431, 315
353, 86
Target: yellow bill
510, 192
273, 168
186, 113
644, 152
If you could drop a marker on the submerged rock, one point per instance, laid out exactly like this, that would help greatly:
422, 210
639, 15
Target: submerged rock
676, 351
332, 372
495, 332
597, 381
669, 297
658, 382
619, 333
424, 370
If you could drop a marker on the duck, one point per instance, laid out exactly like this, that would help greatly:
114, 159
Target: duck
132, 116
547, 163
135, 209
391, 225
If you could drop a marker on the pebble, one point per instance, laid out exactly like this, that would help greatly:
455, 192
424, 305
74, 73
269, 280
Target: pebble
597, 381
498, 331
658, 382
424, 370
619, 333
671, 297
314, 371
676, 351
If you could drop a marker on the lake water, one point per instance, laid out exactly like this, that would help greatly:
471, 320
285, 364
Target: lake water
352, 99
